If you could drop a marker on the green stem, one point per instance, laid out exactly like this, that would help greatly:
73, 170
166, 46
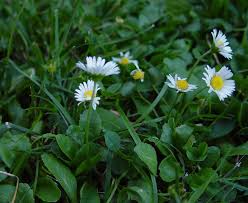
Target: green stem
154, 103
36, 176
174, 103
197, 61
89, 115
128, 125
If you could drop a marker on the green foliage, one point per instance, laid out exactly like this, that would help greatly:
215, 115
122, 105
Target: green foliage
47, 190
63, 174
145, 142
148, 155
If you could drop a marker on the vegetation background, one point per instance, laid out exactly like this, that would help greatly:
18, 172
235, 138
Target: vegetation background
146, 143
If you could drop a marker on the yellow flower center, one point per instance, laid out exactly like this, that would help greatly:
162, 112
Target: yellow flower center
124, 61
219, 43
88, 93
217, 82
138, 75
182, 84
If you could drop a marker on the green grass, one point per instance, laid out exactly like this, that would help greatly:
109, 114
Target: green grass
145, 142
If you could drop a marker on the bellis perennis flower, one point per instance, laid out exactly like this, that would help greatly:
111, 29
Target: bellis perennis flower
219, 82
125, 58
138, 74
99, 66
85, 91
221, 44
180, 84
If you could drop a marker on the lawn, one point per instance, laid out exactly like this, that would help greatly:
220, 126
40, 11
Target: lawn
124, 101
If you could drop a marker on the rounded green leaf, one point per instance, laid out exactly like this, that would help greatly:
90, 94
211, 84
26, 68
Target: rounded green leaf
148, 155
112, 140
63, 174
170, 169
88, 194
47, 190
67, 145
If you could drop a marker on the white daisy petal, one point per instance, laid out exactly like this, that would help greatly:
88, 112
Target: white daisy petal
180, 84
85, 91
221, 43
219, 82
98, 66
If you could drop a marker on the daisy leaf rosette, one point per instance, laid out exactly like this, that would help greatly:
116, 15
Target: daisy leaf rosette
219, 81
98, 67
84, 93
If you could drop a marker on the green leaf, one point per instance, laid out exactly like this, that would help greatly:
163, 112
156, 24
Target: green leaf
6, 155
111, 121
95, 123
114, 88
47, 190
24, 193
6, 193
148, 155
88, 194
240, 150
199, 182
213, 155
112, 140
63, 174
198, 153
12, 147
156, 76
183, 133
76, 133
140, 191
67, 145
170, 169
222, 128
166, 135
88, 164
127, 88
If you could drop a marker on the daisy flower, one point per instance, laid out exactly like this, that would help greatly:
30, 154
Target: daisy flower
138, 74
98, 66
180, 84
125, 58
219, 82
221, 44
85, 91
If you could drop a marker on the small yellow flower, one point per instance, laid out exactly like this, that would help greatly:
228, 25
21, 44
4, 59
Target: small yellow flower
138, 74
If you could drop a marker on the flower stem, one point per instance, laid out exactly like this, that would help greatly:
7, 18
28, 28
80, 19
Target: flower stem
197, 61
86, 141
